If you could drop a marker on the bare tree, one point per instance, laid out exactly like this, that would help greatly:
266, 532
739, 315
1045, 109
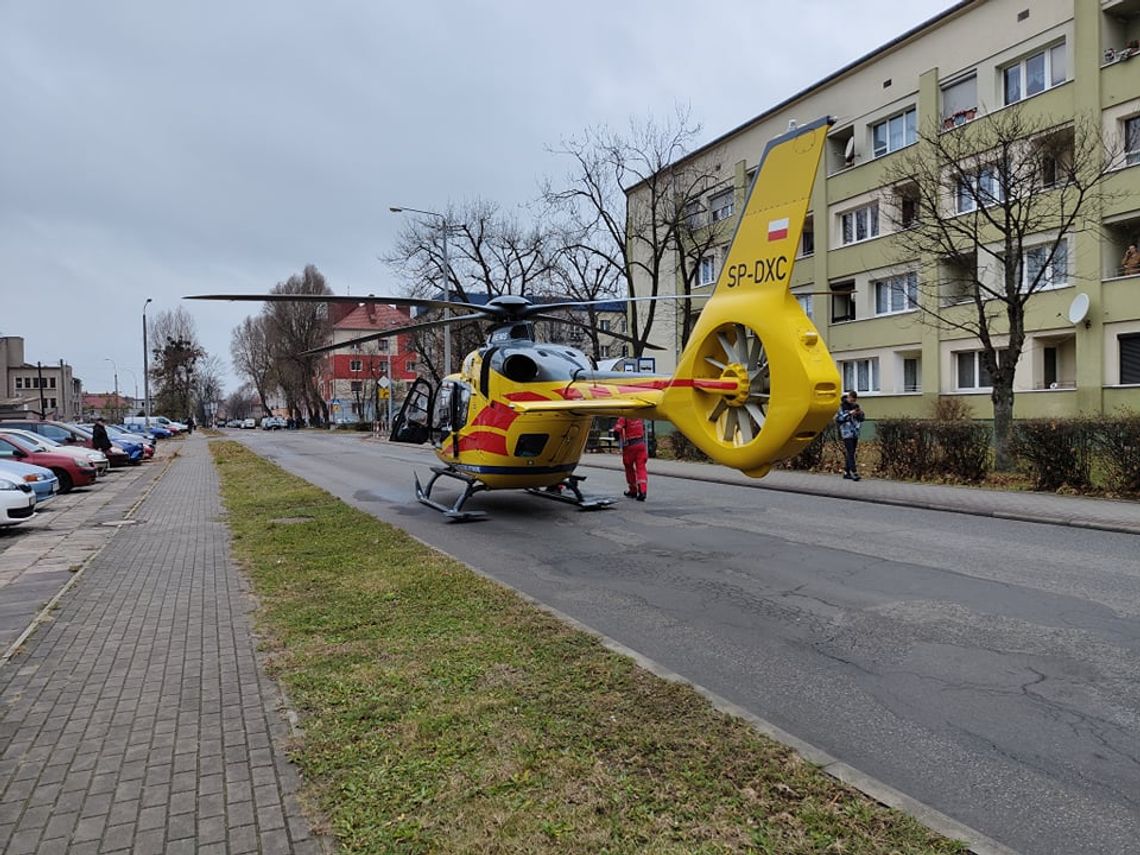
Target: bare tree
252, 356
208, 388
638, 239
295, 328
175, 353
988, 210
487, 254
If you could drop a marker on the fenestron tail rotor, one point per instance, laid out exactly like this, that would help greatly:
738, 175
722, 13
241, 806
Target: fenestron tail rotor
741, 384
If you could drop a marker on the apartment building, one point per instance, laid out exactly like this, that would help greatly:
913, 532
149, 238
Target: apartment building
1056, 60
46, 390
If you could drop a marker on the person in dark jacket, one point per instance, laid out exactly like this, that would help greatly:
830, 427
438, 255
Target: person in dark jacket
99, 438
850, 420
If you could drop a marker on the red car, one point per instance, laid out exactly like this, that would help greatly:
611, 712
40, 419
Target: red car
70, 471
67, 435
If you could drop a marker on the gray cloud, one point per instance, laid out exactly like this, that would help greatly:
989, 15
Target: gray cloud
155, 149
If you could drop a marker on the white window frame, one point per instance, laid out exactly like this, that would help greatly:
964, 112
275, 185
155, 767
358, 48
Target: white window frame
692, 213
1052, 278
976, 370
1127, 341
984, 183
1049, 72
865, 218
356, 365
805, 301
604, 324
906, 124
862, 375
706, 270
721, 206
950, 98
1130, 133
898, 293
917, 360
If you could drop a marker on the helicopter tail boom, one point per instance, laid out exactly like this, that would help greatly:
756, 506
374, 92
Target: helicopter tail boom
756, 383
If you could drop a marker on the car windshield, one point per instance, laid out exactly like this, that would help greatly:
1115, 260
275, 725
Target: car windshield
82, 431
33, 439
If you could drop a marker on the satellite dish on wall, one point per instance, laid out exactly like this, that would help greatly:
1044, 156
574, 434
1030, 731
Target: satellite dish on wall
849, 152
1078, 309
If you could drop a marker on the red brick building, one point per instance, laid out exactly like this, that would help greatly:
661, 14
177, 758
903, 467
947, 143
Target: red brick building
352, 378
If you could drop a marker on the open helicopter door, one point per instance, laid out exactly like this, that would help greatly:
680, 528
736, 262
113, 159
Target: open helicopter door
449, 415
413, 423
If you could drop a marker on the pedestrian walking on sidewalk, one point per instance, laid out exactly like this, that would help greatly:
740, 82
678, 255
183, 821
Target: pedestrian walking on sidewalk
634, 454
850, 420
99, 439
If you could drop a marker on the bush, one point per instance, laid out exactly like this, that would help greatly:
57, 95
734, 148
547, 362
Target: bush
951, 409
1117, 441
918, 449
1057, 452
681, 449
963, 449
813, 453
905, 448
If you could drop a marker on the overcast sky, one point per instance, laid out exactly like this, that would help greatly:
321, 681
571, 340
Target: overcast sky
157, 149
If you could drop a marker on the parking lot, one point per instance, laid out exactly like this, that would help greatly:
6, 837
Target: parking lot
39, 558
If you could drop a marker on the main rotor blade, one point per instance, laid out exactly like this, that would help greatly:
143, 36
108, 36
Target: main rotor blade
572, 304
610, 333
387, 300
391, 331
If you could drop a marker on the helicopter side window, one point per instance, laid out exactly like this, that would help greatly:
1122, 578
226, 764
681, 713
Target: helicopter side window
451, 406
531, 444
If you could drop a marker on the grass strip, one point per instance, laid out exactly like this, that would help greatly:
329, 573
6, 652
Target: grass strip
442, 713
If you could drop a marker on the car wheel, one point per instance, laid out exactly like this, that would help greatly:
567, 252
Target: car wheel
65, 482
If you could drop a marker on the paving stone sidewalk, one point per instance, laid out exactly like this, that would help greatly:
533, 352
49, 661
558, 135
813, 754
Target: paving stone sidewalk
138, 719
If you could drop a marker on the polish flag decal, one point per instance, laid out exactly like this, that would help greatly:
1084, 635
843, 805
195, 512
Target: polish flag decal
778, 229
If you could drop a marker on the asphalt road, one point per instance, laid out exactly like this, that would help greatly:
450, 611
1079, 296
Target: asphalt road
985, 667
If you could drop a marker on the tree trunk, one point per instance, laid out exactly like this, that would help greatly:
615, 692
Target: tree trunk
1002, 398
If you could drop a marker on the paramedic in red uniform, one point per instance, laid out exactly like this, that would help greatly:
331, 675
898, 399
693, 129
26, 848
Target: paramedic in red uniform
634, 454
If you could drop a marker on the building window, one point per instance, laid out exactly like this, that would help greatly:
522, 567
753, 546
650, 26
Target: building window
805, 302
355, 364
983, 186
1034, 74
860, 224
19, 382
51, 382
410, 365
912, 376
842, 302
51, 403
971, 371
721, 206
357, 385
896, 294
1132, 140
894, 133
604, 351
382, 345
706, 272
604, 325
959, 102
1047, 274
692, 215
862, 375
807, 239
1129, 358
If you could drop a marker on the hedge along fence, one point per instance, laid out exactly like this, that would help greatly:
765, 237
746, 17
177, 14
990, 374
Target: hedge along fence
1064, 452
919, 449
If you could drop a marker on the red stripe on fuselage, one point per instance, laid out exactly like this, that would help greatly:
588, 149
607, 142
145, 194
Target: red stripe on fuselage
495, 415
525, 396
483, 440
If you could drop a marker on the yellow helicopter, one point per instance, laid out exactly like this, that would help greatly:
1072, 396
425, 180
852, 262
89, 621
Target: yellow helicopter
754, 385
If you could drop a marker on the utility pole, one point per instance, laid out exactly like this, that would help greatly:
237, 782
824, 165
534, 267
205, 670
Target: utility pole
146, 369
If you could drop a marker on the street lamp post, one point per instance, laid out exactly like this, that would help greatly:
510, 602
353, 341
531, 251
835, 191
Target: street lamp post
445, 227
116, 367
146, 368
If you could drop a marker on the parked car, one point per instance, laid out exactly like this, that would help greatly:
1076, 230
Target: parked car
233, 423
41, 480
155, 431
125, 438
249, 423
163, 422
67, 435
132, 449
272, 423
17, 501
69, 471
93, 456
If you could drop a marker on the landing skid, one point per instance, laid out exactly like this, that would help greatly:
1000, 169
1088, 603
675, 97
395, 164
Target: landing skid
570, 482
455, 512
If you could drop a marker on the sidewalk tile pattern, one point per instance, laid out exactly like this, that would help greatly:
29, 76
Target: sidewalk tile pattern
138, 719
